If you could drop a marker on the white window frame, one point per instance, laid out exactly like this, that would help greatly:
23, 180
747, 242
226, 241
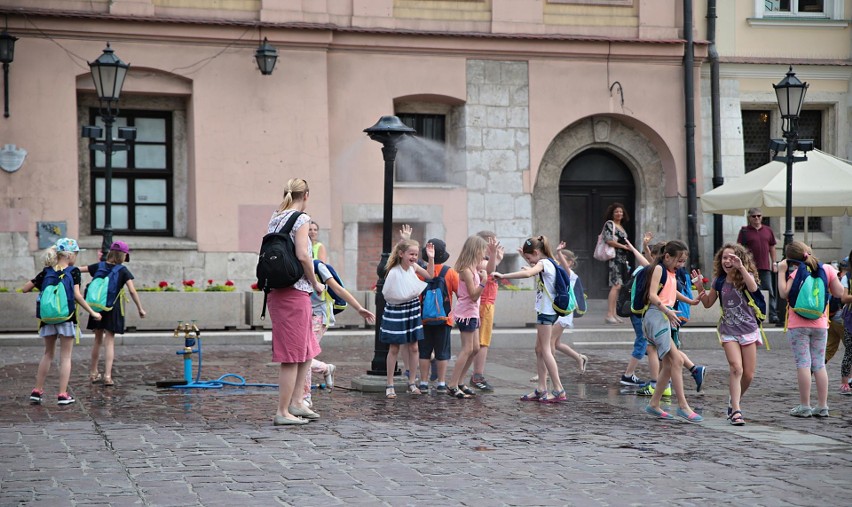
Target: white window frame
832, 9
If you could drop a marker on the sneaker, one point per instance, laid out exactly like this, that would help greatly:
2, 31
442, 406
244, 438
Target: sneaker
845, 389
424, 387
480, 383
819, 412
65, 399
329, 376
632, 380
699, 374
803, 411
36, 396
645, 391
442, 388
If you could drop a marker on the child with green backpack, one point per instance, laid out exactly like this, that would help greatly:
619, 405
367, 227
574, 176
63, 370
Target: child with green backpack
106, 293
806, 291
59, 293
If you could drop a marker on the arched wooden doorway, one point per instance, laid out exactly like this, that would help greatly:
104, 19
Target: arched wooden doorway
589, 183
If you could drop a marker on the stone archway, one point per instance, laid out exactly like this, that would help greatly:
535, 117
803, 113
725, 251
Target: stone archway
610, 134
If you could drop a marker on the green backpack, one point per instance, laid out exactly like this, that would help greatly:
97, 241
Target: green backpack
809, 292
103, 293
55, 302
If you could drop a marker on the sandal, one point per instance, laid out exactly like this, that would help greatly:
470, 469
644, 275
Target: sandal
96, 377
533, 396
466, 390
108, 382
556, 397
455, 392
737, 418
413, 389
390, 393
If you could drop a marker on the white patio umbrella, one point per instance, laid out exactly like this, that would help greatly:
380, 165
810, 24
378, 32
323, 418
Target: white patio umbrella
822, 186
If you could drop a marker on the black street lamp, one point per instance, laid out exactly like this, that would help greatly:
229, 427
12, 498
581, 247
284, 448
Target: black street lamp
389, 131
791, 95
266, 56
108, 73
7, 55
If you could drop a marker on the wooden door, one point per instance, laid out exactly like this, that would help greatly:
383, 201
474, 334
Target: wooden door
589, 184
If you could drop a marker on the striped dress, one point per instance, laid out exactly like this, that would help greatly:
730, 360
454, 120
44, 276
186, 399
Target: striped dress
401, 323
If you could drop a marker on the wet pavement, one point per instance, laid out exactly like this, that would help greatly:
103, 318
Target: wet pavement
135, 444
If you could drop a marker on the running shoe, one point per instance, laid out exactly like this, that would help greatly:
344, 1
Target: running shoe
480, 383
36, 396
802, 411
819, 412
632, 380
645, 391
699, 374
65, 399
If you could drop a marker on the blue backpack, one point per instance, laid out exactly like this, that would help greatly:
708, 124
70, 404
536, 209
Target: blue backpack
55, 303
436, 301
808, 295
103, 292
639, 300
564, 300
338, 304
684, 286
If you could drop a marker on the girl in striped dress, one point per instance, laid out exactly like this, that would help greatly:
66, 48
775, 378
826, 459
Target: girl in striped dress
401, 323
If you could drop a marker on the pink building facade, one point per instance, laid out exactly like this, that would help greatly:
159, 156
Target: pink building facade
533, 116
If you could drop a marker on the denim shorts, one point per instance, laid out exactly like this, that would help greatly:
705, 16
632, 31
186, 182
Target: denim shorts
546, 319
467, 325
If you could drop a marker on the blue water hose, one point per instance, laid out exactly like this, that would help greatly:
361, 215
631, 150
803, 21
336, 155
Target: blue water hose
208, 384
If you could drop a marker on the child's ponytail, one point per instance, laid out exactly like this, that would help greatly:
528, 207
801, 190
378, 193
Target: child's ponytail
801, 252
49, 257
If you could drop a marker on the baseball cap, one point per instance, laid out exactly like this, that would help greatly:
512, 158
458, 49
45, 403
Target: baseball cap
121, 246
67, 245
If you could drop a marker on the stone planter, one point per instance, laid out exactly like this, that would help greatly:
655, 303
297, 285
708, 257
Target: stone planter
514, 308
346, 319
211, 310
18, 312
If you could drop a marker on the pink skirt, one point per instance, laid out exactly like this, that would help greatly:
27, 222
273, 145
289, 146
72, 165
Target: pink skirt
293, 339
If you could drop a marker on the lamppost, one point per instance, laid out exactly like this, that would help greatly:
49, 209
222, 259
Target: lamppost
389, 131
790, 93
108, 73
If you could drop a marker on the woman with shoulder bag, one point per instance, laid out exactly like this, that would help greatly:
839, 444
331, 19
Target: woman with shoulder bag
616, 237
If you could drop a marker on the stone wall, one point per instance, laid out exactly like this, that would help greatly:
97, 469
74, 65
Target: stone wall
496, 133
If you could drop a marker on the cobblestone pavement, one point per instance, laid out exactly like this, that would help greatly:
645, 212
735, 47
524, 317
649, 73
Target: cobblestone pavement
134, 444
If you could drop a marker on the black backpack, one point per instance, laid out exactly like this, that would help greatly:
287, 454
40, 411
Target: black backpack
277, 264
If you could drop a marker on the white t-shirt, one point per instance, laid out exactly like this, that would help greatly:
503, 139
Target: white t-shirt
543, 303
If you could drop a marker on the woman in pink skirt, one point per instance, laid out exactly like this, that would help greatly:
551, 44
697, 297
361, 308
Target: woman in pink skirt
293, 341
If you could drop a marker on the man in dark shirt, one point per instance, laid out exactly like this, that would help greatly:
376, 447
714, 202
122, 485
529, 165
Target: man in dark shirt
760, 240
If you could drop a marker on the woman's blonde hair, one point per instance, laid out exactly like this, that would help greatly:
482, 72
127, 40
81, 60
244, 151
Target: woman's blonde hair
801, 252
296, 190
398, 250
745, 256
471, 253
539, 243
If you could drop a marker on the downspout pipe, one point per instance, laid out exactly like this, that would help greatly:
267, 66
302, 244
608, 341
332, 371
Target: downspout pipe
689, 115
715, 108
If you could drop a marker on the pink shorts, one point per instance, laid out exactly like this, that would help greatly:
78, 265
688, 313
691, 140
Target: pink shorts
746, 339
